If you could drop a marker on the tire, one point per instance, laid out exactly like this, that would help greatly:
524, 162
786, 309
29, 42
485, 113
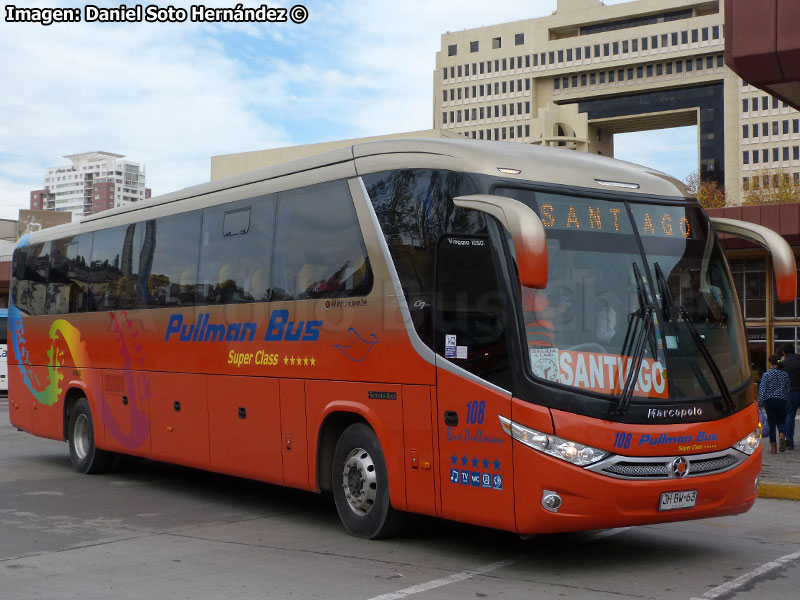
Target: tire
85, 456
361, 485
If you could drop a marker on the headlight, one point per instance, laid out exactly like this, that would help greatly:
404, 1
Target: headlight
749, 444
571, 452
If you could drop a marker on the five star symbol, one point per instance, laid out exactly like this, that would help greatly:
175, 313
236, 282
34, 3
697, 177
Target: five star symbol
300, 361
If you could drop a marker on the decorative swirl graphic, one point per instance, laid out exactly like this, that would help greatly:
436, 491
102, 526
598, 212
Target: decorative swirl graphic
63, 333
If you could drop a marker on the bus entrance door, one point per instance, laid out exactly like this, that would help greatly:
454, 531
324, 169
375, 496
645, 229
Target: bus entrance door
472, 356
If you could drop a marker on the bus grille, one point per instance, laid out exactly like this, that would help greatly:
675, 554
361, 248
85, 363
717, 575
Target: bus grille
657, 467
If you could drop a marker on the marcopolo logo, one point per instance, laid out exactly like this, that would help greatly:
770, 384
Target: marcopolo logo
674, 413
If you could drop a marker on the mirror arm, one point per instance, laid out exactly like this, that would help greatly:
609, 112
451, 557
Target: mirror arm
526, 229
782, 255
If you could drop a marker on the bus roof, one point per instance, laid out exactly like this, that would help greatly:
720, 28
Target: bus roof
534, 163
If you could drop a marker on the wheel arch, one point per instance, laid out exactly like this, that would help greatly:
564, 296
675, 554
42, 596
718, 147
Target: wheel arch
73, 394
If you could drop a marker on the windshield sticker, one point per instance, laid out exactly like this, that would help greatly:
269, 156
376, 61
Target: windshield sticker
449, 346
461, 352
601, 373
544, 362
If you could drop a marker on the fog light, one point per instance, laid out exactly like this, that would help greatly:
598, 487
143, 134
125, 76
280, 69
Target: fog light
551, 501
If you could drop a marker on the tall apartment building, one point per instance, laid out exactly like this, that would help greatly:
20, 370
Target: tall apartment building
588, 71
95, 181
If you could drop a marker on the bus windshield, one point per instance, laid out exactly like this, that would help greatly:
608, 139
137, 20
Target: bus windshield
603, 304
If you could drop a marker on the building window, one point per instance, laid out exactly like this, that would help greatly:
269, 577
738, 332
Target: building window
527, 84
640, 72
745, 131
519, 39
535, 60
765, 129
601, 77
644, 43
659, 69
689, 65
709, 62
577, 53
569, 54
715, 32
785, 126
774, 103
795, 152
556, 83
606, 49
786, 153
684, 37
720, 60
611, 76
765, 155
473, 46
745, 183
624, 46
795, 125
674, 38
597, 50
774, 128
775, 154
592, 79
650, 70
664, 40
764, 102
746, 157
621, 75
527, 61
583, 79
755, 157
695, 35
705, 34
459, 70
560, 56
495, 43
750, 281
699, 63
452, 50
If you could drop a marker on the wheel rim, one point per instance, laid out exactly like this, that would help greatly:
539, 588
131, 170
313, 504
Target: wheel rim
80, 436
359, 482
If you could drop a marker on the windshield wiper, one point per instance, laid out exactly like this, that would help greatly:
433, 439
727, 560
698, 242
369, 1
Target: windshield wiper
636, 340
669, 308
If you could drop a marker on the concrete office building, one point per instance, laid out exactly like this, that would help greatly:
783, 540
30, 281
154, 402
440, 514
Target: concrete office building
589, 71
95, 181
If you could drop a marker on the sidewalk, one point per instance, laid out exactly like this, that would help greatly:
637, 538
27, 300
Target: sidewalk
780, 473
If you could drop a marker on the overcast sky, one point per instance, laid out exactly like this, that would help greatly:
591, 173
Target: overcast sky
170, 96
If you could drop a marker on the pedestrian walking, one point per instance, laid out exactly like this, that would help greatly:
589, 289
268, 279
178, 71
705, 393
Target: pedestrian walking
773, 394
791, 364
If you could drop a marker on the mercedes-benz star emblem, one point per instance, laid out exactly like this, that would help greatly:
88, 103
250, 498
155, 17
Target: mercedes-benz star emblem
679, 467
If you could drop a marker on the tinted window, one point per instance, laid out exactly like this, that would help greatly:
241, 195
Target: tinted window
319, 250
470, 310
3, 330
31, 265
168, 272
236, 251
115, 262
414, 208
69, 275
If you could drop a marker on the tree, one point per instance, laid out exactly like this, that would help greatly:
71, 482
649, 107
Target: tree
771, 186
708, 192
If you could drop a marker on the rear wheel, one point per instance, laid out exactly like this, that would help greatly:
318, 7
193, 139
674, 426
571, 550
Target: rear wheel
361, 485
86, 457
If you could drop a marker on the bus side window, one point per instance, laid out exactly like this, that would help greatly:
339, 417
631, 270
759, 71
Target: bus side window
30, 278
236, 251
319, 249
168, 271
106, 271
69, 275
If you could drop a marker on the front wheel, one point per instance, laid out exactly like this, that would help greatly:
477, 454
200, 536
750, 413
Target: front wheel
361, 485
85, 456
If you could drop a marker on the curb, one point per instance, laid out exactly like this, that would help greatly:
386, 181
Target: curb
781, 491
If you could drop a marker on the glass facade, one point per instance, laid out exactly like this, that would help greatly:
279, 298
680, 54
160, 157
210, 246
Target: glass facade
708, 98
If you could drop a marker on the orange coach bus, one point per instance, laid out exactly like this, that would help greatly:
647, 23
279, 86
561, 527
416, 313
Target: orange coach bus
524, 338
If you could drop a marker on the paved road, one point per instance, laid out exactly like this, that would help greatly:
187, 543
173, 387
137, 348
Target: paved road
156, 531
